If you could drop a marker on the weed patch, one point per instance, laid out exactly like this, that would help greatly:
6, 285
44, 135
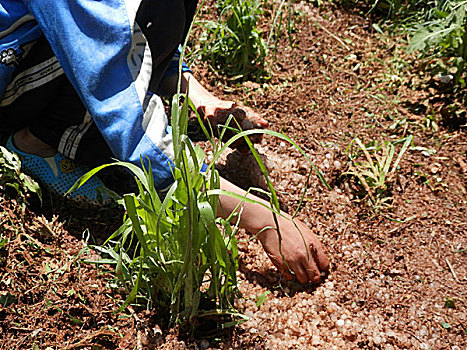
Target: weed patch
234, 44
374, 165
11, 176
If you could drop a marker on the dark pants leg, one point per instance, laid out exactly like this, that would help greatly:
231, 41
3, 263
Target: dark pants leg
42, 99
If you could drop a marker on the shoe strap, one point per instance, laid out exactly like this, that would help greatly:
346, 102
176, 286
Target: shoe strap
52, 164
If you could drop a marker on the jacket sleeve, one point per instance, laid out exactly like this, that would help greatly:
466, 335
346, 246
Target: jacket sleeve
107, 59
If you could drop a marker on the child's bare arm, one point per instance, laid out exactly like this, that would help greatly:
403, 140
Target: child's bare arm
302, 252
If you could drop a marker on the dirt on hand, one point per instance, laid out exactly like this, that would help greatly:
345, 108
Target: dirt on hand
227, 123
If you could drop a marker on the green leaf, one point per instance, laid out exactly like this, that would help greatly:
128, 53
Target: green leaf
260, 299
6, 299
3, 242
449, 303
377, 28
418, 41
134, 291
130, 205
440, 14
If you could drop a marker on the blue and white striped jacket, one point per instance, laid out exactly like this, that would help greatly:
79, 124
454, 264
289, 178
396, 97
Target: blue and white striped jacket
106, 56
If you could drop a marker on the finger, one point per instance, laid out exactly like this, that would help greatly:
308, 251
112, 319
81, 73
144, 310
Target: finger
263, 123
259, 121
311, 268
252, 116
301, 274
212, 113
313, 274
282, 268
319, 256
201, 111
287, 275
285, 271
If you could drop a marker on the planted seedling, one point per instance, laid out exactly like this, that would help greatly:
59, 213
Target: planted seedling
374, 165
234, 45
172, 251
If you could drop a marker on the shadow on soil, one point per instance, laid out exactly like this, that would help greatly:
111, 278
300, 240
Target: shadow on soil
275, 283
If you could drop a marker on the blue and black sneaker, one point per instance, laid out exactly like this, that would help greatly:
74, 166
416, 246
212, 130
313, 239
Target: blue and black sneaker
59, 173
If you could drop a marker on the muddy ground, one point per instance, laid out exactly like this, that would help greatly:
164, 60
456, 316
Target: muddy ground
399, 273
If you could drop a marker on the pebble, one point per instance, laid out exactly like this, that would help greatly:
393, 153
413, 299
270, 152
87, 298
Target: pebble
377, 340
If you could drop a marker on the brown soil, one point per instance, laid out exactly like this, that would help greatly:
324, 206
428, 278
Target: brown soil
393, 269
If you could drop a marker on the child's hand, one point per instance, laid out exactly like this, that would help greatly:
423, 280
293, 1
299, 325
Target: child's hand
302, 253
217, 112
295, 260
